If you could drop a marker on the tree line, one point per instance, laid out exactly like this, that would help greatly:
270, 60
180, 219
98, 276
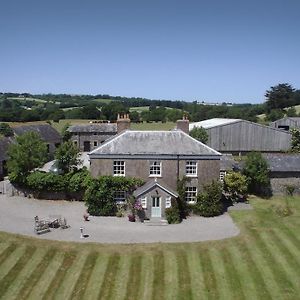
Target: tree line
25, 107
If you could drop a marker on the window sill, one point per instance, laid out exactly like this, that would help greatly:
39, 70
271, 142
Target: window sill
191, 175
153, 176
190, 202
119, 175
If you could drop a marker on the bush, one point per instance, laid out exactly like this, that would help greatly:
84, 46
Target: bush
290, 189
173, 213
209, 202
41, 181
283, 210
235, 186
257, 173
78, 180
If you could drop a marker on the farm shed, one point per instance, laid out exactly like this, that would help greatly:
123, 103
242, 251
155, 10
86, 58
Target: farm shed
47, 133
238, 136
286, 123
284, 170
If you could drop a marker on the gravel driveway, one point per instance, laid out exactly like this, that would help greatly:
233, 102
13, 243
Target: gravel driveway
17, 216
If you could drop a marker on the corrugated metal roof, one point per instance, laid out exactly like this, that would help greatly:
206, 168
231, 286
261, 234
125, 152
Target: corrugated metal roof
174, 142
104, 127
212, 123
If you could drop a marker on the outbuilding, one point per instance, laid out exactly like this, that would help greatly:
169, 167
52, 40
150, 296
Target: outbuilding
238, 136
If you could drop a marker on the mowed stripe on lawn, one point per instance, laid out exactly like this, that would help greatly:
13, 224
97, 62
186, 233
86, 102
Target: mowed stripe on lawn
262, 263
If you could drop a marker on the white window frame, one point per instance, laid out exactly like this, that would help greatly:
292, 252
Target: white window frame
144, 202
156, 172
222, 175
191, 194
191, 168
119, 168
120, 197
168, 202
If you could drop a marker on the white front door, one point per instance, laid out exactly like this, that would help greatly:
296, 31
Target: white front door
156, 207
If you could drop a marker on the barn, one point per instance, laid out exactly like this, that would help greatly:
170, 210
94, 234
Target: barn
286, 123
238, 136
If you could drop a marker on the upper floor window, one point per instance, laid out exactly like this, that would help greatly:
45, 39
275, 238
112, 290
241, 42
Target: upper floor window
119, 168
191, 168
190, 194
95, 143
155, 168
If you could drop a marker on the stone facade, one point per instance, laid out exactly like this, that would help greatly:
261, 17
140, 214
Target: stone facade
280, 180
207, 170
88, 141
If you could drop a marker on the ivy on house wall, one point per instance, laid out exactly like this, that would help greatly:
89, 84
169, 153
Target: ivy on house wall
99, 195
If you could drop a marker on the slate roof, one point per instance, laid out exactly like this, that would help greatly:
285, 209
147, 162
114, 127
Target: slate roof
46, 131
283, 162
4, 144
153, 183
103, 127
227, 163
174, 142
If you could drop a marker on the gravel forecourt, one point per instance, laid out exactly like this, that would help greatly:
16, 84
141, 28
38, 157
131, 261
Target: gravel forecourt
17, 216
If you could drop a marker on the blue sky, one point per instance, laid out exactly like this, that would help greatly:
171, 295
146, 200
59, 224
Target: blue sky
187, 50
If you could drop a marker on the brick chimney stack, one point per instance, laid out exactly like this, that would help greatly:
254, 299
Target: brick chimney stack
183, 124
123, 122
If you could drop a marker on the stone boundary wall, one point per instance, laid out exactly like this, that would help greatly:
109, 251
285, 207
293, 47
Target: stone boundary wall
278, 185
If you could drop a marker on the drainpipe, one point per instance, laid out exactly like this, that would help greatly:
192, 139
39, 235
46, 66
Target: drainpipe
177, 167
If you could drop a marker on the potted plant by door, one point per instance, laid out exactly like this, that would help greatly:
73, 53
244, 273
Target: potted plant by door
139, 211
131, 218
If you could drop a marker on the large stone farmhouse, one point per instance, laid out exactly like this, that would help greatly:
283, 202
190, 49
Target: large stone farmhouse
47, 133
238, 136
159, 158
286, 123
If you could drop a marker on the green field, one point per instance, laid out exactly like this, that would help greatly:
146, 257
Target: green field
263, 262
133, 126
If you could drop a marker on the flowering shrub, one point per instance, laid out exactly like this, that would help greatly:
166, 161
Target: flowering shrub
138, 206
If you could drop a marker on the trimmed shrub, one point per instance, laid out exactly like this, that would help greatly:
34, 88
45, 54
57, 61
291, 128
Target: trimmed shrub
209, 202
173, 213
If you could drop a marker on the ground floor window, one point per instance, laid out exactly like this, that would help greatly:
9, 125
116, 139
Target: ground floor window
222, 175
190, 194
120, 197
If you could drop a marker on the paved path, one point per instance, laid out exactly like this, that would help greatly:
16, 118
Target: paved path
17, 216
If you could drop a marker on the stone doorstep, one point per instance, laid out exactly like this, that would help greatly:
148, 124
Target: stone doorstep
156, 222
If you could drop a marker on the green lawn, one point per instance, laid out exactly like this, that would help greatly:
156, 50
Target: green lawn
263, 262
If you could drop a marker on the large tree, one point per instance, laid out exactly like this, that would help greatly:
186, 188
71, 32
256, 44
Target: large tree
200, 134
67, 156
279, 96
29, 152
